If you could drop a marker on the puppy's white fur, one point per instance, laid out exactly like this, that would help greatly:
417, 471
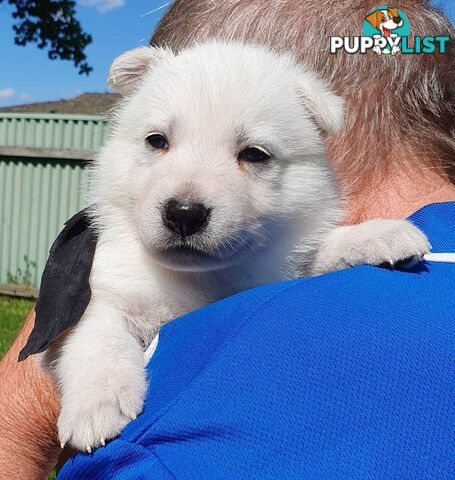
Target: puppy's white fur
268, 222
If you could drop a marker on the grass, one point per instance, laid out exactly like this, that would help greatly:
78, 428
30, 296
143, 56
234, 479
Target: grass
12, 316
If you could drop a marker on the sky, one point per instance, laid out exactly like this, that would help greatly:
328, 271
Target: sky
27, 75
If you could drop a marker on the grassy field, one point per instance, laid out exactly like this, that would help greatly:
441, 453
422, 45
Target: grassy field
12, 315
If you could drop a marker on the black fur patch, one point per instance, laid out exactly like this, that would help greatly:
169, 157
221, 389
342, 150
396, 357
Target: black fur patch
65, 290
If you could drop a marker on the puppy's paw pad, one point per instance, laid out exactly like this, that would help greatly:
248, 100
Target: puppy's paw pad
399, 243
86, 429
88, 425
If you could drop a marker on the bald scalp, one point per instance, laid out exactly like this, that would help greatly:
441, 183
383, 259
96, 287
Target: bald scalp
405, 102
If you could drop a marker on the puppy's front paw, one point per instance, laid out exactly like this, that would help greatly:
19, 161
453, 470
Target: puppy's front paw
91, 417
374, 242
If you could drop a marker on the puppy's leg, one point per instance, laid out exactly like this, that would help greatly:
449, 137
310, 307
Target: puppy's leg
100, 369
377, 48
373, 243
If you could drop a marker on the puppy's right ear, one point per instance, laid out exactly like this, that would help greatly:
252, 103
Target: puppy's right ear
373, 19
128, 69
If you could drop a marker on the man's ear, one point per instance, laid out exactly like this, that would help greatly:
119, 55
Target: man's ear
373, 19
129, 68
326, 108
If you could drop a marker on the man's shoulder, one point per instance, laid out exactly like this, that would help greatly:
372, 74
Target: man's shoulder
361, 289
357, 299
353, 293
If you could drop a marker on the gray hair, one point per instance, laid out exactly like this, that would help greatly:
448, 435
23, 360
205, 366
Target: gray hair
403, 103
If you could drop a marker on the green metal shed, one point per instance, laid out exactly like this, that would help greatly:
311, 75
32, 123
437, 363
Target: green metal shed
43, 181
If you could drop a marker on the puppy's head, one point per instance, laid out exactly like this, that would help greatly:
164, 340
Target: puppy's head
215, 151
385, 20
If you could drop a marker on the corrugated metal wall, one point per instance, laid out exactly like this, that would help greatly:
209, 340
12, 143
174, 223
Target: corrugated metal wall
51, 131
37, 195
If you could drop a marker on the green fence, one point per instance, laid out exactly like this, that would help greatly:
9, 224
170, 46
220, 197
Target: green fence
43, 181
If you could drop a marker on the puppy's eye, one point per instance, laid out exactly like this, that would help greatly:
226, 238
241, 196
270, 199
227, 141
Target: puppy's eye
254, 155
157, 141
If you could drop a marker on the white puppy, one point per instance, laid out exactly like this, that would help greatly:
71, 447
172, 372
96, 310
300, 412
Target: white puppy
213, 180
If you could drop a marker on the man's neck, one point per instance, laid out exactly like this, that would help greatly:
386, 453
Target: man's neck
399, 195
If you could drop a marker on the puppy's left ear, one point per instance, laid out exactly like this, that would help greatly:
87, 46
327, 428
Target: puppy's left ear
326, 108
127, 70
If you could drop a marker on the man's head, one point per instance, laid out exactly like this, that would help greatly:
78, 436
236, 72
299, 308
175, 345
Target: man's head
225, 152
400, 110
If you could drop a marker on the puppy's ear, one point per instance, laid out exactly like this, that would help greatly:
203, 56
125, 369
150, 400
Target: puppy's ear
326, 108
394, 11
373, 19
127, 70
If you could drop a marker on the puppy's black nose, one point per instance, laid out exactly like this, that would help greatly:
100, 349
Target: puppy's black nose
397, 20
184, 217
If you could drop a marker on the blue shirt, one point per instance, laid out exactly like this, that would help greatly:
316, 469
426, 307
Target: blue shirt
346, 376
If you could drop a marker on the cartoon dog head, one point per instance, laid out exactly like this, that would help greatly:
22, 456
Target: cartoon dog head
385, 20
216, 152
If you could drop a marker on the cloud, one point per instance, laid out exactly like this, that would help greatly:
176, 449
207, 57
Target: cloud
7, 93
9, 96
103, 6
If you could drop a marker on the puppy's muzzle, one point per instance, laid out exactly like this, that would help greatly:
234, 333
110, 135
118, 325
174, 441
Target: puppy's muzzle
184, 217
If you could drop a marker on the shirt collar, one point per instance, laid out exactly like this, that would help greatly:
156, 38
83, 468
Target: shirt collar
437, 221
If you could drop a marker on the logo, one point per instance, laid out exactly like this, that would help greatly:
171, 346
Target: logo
389, 24
386, 31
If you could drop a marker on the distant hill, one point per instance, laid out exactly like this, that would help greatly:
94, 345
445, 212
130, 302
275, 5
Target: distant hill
84, 104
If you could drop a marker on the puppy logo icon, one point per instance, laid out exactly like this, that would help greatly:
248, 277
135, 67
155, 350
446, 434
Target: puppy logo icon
391, 24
